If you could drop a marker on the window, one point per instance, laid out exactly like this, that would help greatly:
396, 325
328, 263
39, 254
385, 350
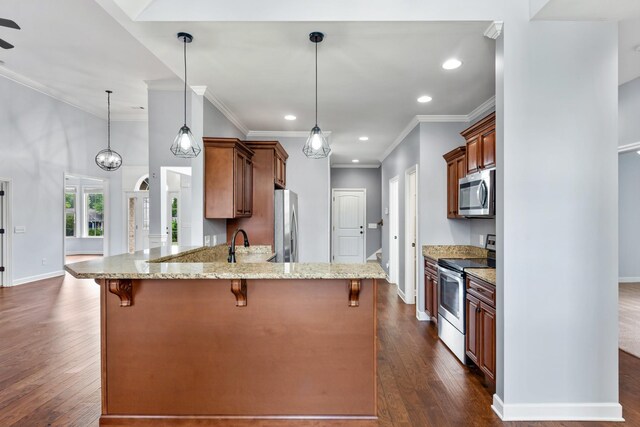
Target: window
174, 220
145, 213
93, 212
70, 211
144, 185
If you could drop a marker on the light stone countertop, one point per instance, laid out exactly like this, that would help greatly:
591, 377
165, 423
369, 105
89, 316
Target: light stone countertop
453, 251
137, 266
486, 274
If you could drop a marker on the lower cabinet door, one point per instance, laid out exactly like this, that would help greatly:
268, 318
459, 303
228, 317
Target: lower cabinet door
488, 344
428, 298
473, 336
434, 284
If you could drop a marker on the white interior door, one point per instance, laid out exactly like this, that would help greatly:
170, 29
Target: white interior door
410, 236
394, 231
348, 225
137, 217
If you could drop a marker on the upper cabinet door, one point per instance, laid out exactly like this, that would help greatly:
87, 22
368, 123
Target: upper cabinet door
488, 148
247, 187
473, 150
481, 144
238, 184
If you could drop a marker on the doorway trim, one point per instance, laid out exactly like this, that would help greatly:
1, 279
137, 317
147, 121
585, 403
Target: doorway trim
394, 226
364, 216
411, 294
8, 247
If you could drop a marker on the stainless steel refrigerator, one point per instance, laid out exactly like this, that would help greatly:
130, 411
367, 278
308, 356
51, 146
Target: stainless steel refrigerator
286, 226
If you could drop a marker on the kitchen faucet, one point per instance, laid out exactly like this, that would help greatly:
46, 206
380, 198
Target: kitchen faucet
232, 248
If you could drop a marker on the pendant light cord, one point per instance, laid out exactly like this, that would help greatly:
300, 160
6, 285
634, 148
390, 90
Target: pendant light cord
185, 80
316, 83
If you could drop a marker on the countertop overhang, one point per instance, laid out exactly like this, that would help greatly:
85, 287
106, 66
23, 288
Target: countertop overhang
137, 266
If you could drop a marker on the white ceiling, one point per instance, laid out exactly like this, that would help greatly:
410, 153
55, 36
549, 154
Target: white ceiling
370, 74
74, 50
586, 10
629, 50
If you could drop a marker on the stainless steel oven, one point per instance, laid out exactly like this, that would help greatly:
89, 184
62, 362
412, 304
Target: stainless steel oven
451, 310
476, 194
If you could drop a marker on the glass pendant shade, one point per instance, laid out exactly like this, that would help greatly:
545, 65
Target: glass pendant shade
108, 160
185, 145
316, 146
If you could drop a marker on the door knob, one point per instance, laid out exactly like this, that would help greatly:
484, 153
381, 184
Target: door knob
361, 232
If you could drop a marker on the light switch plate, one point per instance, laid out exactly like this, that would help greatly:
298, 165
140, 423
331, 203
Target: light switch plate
372, 225
19, 229
386, 211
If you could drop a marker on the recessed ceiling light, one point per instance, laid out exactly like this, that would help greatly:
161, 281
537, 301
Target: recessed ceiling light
289, 117
355, 161
424, 98
451, 64
364, 138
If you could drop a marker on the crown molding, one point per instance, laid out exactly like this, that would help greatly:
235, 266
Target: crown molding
442, 118
629, 147
172, 85
494, 30
482, 109
462, 118
225, 110
199, 90
355, 166
39, 87
281, 133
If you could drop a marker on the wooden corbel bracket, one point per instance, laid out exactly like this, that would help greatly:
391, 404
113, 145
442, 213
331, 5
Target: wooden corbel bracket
123, 289
239, 289
354, 286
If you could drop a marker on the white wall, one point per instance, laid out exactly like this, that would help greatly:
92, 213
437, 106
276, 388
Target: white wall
629, 112
310, 179
558, 218
629, 214
41, 138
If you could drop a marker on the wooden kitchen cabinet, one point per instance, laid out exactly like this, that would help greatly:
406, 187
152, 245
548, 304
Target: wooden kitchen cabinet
431, 288
228, 178
480, 338
481, 144
456, 169
268, 173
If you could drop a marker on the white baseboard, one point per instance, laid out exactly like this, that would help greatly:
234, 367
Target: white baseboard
402, 295
628, 279
38, 277
557, 411
422, 315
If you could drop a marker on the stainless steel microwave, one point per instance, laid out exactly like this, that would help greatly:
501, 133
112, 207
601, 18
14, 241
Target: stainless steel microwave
477, 194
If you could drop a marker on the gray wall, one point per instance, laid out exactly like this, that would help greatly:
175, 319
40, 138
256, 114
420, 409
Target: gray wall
546, 322
41, 138
629, 112
401, 158
629, 214
310, 179
370, 179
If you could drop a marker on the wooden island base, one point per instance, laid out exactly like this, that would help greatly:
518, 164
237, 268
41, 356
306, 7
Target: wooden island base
188, 352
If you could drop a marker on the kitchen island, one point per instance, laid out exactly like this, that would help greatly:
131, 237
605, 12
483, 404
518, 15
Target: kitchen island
187, 336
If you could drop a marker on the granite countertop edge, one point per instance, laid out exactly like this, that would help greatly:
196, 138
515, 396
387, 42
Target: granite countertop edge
485, 274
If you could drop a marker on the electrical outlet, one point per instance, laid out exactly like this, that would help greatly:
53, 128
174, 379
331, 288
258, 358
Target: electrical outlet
482, 240
44, 261
207, 240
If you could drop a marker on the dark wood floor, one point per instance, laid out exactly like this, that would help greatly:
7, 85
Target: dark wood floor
50, 374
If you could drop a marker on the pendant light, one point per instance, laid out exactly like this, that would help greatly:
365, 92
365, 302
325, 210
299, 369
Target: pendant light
316, 146
108, 159
185, 145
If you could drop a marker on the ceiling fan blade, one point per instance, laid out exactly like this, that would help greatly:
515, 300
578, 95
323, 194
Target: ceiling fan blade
5, 45
9, 23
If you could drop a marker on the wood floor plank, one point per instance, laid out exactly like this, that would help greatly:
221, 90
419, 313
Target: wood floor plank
50, 376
